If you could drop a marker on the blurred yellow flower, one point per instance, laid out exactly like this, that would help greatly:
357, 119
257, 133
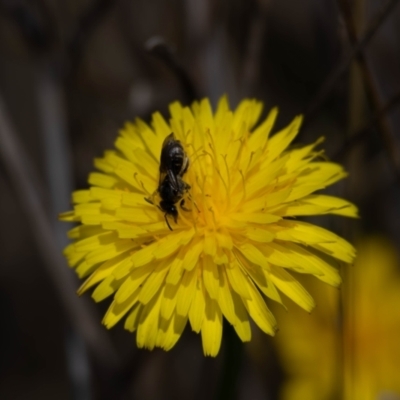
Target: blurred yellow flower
355, 356
234, 239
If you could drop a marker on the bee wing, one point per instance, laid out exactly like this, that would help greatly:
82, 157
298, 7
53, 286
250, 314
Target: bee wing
169, 138
185, 165
173, 180
163, 174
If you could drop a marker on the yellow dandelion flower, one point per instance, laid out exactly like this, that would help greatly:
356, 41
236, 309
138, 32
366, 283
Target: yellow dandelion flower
353, 353
231, 242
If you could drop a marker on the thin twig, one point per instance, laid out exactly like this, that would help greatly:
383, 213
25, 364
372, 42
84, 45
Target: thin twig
163, 50
81, 313
33, 20
251, 65
358, 136
338, 72
379, 118
87, 23
350, 25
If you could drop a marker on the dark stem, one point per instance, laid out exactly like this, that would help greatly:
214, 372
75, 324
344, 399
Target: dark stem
163, 51
360, 135
88, 22
252, 60
233, 356
386, 134
34, 22
338, 72
27, 185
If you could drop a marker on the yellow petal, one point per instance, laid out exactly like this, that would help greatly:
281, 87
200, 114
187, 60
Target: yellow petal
81, 196
259, 311
132, 321
133, 281
236, 279
260, 135
118, 310
242, 324
211, 277
154, 282
102, 272
147, 330
109, 251
317, 237
225, 300
197, 307
186, 292
281, 140
170, 331
169, 300
102, 180
106, 288
211, 329
291, 287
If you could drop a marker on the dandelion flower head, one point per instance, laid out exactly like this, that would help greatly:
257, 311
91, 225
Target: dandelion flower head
234, 243
359, 339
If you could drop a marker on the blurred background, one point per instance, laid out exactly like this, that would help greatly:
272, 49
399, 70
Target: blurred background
73, 71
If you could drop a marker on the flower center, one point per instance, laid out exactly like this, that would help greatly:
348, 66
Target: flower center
218, 184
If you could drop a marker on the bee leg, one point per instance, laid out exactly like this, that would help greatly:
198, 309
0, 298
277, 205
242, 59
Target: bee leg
191, 199
182, 204
149, 200
166, 220
196, 205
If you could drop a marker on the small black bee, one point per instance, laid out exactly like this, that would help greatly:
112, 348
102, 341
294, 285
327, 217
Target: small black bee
173, 161
173, 165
